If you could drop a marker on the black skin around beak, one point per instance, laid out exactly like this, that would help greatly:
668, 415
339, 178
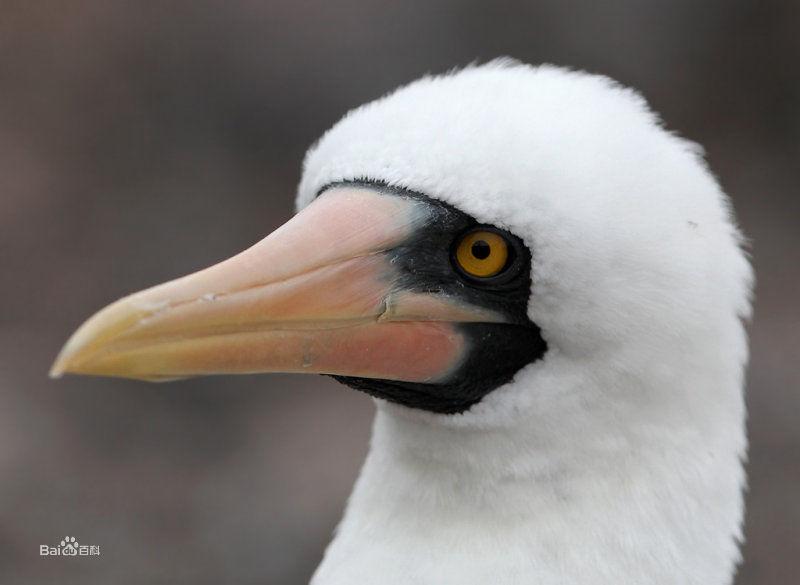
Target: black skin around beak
425, 263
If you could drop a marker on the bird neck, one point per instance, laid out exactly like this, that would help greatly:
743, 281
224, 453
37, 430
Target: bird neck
543, 499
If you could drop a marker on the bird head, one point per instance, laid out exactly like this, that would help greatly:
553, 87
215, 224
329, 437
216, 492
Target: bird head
481, 238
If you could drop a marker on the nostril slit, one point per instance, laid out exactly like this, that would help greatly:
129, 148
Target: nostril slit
385, 309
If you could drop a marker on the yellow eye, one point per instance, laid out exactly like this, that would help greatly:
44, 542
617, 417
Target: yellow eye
482, 253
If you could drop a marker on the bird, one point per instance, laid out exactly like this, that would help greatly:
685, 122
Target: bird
547, 294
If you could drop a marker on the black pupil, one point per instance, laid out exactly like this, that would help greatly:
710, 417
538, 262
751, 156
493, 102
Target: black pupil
481, 250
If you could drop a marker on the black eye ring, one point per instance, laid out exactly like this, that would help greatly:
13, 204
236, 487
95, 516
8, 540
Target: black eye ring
512, 268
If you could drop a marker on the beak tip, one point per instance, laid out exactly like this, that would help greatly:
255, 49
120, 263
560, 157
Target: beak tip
60, 366
70, 355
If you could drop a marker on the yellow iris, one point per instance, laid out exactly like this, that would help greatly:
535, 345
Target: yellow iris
482, 254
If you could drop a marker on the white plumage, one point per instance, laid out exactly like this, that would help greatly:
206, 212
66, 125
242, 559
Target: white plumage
617, 458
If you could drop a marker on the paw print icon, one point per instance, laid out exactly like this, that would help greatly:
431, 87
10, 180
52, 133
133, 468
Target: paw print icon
69, 546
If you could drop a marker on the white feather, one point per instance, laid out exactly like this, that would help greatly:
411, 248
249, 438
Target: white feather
618, 457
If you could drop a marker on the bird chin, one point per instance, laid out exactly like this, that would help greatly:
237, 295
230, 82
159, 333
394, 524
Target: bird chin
493, 354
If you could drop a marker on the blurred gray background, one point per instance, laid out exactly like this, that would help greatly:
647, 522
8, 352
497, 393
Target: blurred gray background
141, 141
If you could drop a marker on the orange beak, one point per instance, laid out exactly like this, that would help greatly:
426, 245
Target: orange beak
318, 295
